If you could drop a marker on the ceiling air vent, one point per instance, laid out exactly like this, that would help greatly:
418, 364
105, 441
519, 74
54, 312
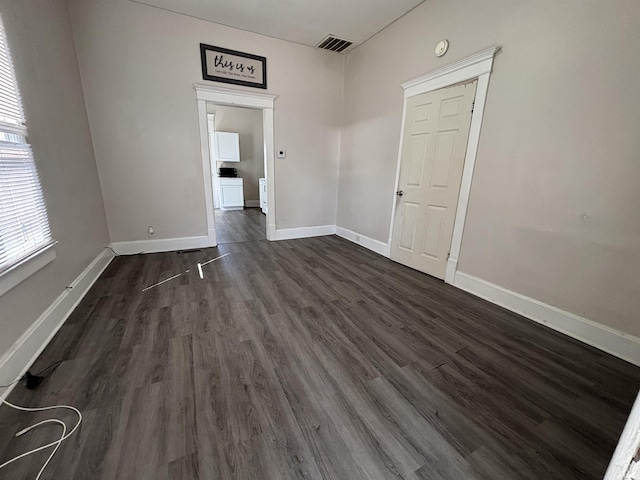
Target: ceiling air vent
334, 44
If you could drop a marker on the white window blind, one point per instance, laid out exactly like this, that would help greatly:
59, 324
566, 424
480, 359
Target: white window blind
24, 227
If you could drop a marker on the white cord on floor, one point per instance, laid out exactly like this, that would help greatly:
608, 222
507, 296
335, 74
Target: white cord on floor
57, 443
64, 430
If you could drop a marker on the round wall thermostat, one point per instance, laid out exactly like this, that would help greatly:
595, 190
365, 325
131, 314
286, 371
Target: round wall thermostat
441, 48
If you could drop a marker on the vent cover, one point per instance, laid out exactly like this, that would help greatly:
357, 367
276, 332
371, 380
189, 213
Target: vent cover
334, 44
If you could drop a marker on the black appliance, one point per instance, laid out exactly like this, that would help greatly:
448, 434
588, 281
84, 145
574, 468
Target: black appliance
228, 172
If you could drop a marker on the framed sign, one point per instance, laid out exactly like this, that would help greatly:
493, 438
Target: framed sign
229, 66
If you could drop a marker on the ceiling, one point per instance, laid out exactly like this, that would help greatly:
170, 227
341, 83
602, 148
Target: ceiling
300, 21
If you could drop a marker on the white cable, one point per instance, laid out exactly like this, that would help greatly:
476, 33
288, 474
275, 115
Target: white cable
160, 283
214, 259
57, 443
200, 265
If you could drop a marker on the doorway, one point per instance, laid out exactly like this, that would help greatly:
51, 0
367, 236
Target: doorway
209, 95
475, 67
238, 164
434, 143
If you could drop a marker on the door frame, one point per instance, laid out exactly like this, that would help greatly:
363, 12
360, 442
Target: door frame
628, 446
477, 66
237, 98
211, 131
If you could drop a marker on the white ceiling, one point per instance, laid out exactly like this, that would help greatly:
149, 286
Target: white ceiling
300, 21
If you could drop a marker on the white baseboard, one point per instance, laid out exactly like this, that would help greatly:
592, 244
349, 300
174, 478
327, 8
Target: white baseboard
252, 203
304, 232
26, 349
161, 245
619, 344
373, 245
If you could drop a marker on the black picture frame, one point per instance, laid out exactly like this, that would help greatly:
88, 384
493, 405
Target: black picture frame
233, 75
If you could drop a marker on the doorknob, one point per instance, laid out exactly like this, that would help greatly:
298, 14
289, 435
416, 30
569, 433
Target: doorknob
399, 193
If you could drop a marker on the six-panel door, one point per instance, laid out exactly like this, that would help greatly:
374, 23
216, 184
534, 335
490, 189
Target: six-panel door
436, 130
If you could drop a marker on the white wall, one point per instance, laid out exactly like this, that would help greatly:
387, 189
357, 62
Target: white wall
559, 139
39, 35
138, 66
247, 123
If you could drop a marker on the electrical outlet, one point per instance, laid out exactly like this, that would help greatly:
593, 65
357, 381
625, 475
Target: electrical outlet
150, 231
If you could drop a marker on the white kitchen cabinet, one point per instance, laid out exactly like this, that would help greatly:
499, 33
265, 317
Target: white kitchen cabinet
263, 194
227, 147
231, 193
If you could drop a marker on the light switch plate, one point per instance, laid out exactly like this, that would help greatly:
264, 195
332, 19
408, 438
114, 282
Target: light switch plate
282, 154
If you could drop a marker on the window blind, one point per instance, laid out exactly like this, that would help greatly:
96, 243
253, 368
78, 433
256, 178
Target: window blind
24, 227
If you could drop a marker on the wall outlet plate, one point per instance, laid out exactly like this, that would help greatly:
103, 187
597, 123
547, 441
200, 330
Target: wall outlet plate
282, 154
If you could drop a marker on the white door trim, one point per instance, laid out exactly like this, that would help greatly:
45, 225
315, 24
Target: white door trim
475, 66
237, 98
627, 447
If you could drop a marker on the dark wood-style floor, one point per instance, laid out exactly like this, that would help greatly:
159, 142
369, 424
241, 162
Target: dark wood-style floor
314, 359
235, 226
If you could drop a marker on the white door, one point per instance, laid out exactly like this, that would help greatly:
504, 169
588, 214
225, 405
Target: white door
434, 143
